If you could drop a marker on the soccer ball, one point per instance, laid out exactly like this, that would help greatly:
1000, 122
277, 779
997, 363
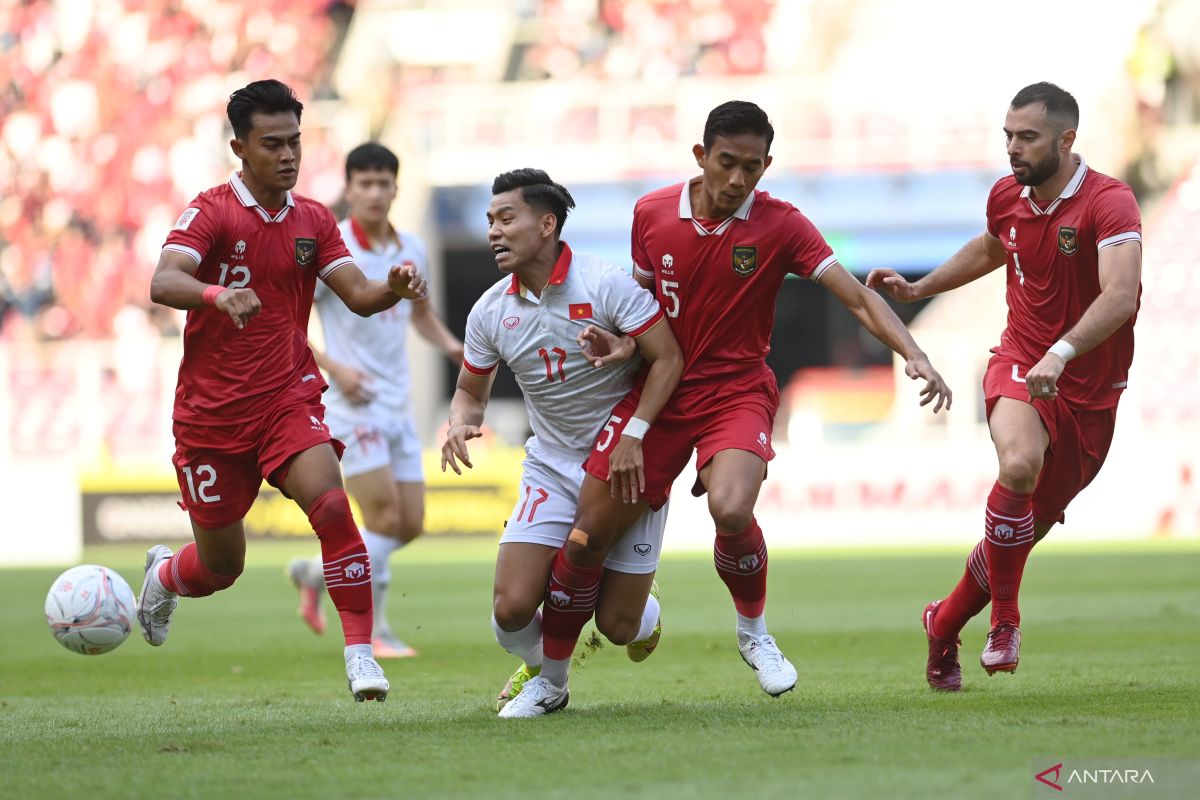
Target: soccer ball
90, 609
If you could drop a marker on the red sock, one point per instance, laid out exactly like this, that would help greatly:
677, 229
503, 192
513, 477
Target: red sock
347, 566
1008, 538
570, 600
967, 599
184, 575
741, 560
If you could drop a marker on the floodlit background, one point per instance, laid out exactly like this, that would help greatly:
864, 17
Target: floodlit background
888, 119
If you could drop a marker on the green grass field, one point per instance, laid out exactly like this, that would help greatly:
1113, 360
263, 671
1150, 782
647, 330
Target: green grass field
244, 702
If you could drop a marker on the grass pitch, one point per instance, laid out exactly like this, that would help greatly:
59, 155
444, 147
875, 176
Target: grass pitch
244, 702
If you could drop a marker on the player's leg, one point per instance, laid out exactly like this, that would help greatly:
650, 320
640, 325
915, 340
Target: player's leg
629, 612
522, 570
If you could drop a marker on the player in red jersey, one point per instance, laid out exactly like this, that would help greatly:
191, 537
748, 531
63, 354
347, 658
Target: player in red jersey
243, 259
1071, 239
715, 251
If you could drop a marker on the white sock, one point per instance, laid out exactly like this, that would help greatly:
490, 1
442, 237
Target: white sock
555, 670
352, 649
379, 548
649, 619
752, 626
379, 595
525, 644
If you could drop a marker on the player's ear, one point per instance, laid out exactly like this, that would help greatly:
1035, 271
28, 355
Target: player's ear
698, 152
549, 225
238, 147
767, 162
1066, 139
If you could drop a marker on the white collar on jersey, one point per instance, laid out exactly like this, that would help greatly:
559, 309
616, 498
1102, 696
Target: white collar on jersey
1068, 191
247, 199
685, 210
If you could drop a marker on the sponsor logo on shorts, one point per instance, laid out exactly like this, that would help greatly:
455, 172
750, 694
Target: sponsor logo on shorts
745, 259
762, 439
306, 251
642, 549
316, 424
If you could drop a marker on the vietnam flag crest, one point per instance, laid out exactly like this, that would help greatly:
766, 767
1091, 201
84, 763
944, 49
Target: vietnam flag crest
581, 310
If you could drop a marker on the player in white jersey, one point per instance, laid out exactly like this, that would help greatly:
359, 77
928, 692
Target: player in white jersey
534, 320
368, 404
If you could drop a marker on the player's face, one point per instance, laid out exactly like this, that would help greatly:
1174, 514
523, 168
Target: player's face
270, 153
517, 231
370, 193
1033, 144
732, 168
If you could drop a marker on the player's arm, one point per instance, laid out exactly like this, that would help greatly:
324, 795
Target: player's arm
874, 314
175, 284
626, 464
470, 400
434, 331
975, 259
1120, 273
366, 297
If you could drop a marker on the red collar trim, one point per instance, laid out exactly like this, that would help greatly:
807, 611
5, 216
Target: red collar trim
360, 234
557, 275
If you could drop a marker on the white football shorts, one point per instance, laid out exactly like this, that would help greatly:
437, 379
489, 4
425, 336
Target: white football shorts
373, 444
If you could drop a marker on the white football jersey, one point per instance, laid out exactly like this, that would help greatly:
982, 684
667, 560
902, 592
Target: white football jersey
568, 400
378, 344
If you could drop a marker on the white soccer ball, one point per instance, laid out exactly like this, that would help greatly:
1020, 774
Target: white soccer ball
90, 609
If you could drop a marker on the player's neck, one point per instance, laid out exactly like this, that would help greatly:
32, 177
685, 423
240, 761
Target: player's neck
267, 198
1051, 189
536, 274
379, 232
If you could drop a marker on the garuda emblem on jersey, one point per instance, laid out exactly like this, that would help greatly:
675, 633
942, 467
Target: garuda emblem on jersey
1067, 243
745, 259
306, 250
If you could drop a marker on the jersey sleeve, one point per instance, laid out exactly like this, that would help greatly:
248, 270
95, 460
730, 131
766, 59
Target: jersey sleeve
480, 355
196, 230
641, 259
1116, 217
331, 249
991, 211
625, 306
810, 255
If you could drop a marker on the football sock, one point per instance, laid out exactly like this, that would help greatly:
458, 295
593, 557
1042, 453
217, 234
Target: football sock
555, 670
570, 600
525, 644
649, 619
380, 548
1008, 538
969, 597
751, 626
184, 575
741, 561
347, 565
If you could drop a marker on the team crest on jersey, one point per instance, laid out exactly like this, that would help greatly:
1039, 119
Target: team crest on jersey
1067, 242
306, 250
745, 259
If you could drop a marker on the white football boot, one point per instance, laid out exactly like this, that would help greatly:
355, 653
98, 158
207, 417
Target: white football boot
364, 675
776, 674
537, 698
156, 603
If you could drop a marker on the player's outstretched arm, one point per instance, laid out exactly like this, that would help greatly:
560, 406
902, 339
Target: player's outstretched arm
434, 331
975, 259
174, 284
466, 415
366, 297
881, 322
1120, 273
626, 465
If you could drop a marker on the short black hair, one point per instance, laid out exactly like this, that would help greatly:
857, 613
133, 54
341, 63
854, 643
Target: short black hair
1058, 102
371, 156
538, 190
261, 97
734, 117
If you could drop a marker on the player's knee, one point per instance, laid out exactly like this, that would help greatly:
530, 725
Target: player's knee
223, 571
730, 514
618, 628
1020, 470
409, 529
512, 613
581, 552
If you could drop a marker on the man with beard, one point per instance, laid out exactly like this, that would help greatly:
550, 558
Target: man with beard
1071, 239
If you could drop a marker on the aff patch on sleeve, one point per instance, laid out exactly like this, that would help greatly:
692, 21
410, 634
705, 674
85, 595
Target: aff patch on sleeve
186, 218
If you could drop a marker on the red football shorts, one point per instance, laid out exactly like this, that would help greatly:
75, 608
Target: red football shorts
1079, 438
734, 413
221, 467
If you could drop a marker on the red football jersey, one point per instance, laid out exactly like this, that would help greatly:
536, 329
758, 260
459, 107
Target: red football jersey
1053, 276
228, 375
718, 283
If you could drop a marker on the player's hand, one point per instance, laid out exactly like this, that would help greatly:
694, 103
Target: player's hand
241, 305
626, 469
455, 446
354, 384
935, 387
456, 354
892, 283
1042, 381
406, 282
601, 347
